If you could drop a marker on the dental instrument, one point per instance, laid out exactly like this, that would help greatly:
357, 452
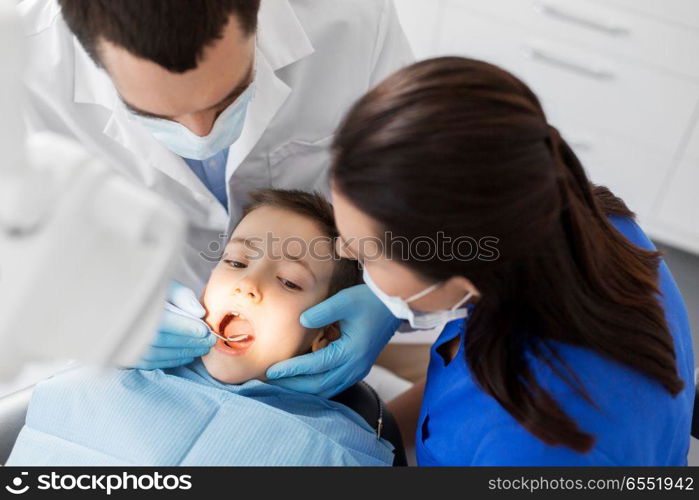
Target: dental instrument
177, 310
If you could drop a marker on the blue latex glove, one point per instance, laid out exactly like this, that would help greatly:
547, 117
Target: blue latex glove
366, 326
181, 335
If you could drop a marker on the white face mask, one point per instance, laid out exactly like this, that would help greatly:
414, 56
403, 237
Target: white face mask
183, 142
418, 320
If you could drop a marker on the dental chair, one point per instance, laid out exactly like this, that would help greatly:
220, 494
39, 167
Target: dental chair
361, 398
13, 409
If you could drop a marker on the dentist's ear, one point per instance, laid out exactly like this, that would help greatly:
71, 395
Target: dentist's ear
325, 336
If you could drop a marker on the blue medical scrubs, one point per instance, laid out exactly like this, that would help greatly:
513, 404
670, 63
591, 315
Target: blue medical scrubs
637, 421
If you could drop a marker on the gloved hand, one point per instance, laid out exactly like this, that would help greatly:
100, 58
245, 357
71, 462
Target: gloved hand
181, 336
366, 326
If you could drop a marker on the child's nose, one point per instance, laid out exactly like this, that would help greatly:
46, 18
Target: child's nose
248, 290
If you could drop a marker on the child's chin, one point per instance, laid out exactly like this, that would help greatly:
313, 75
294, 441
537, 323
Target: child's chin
226, 371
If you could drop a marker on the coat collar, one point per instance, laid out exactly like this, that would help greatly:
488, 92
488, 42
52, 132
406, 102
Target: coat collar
281, 37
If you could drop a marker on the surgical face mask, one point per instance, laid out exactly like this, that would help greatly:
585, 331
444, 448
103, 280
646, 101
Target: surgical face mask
183, 142
418, 320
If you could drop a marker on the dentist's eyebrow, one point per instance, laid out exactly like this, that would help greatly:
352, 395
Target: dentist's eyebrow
232, 95
140, 112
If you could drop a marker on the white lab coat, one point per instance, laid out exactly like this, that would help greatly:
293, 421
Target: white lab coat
316, 58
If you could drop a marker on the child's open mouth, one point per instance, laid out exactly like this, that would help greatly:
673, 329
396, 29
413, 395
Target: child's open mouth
235, 326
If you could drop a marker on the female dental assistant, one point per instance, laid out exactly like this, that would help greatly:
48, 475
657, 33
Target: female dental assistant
564, 338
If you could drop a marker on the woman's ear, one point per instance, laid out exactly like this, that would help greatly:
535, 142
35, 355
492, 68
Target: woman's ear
325, 336
461, 283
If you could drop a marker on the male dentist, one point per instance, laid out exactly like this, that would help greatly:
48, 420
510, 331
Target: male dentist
203, 101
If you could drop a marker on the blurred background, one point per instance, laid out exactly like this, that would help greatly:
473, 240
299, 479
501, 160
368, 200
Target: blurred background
619, 79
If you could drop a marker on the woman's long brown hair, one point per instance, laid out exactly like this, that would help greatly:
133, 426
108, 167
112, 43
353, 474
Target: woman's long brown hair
462, 147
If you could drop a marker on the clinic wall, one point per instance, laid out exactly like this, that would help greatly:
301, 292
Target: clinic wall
619, 78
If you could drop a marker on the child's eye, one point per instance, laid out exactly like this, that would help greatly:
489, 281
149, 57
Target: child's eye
289, 284
236, 264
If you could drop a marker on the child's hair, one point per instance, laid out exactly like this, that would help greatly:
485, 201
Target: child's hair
314, 206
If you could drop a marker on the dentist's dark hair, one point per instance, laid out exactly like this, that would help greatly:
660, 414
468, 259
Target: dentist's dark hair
171, 33
462, 147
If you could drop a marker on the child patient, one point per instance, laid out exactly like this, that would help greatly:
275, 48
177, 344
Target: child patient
279, 262
218, 410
